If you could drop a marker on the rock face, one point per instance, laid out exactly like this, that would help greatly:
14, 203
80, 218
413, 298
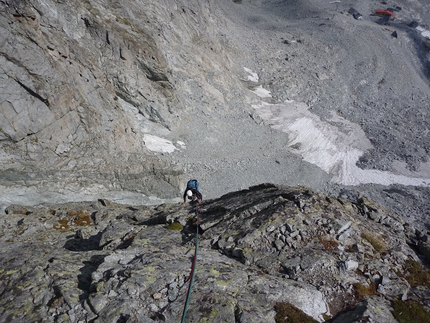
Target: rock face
268, 245
81, 83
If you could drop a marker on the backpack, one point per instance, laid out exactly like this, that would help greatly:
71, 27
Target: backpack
193, 184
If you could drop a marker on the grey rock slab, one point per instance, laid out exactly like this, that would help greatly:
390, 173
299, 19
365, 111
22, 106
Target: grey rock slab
144, 271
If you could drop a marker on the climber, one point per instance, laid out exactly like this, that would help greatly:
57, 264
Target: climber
192, 192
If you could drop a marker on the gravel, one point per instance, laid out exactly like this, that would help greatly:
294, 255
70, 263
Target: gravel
317, 53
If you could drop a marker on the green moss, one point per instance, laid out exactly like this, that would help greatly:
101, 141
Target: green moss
176, 226
326, 317
214, 272
415, 274
287, 313
222, 283
210, 314
150, 268
409, 312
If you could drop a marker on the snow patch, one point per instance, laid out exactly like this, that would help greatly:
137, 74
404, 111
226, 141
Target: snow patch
181, 144
158, 144
261, 92
424, 32
253, 77
335, 145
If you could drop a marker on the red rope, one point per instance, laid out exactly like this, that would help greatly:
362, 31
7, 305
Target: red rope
193, 266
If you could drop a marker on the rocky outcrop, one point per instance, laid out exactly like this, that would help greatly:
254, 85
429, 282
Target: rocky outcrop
257, 249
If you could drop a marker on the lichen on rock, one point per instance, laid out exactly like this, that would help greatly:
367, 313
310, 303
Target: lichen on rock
263, 249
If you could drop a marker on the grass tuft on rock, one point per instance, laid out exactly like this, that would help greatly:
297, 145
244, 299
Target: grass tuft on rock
362, 291
415, 274
287, 313
377, 243
409, 312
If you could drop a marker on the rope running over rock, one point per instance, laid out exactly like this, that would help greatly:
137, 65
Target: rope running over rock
193, 265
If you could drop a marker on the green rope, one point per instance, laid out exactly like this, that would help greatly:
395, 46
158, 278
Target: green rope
193, 267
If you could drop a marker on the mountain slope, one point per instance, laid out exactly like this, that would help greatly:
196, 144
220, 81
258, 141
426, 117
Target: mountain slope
102, 97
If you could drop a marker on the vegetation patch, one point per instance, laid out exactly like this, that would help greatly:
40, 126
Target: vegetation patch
21, 210
80, 218
415, 274
62, 225
287, 313
328, 244
326, 317
409, 312
362, 290
176, 226
376, 241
